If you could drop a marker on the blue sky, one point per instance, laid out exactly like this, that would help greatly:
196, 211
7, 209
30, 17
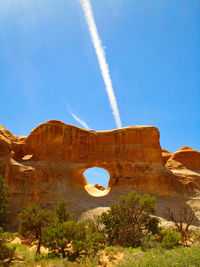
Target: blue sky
97, 176
48, 62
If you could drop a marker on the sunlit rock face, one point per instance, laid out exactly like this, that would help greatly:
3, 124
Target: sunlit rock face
49, 164
166, 155
124, 153
185, 157
5, 142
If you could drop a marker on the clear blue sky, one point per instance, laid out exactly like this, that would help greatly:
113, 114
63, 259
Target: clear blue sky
47, 61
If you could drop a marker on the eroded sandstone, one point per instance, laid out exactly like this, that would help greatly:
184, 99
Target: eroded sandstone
185, 157
49, 164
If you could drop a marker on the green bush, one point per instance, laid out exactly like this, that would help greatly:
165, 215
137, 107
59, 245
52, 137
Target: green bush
58, 236
129, 221
32, 221
95, 237
170, 239
6, 253
72, 239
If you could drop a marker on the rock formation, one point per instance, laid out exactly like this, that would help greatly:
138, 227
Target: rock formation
49, 165
166, 155
185, 157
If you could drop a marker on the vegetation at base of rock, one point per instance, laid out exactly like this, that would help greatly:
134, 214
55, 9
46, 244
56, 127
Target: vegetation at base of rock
127, 233
129, 221
3, 202
6, 253
72, 239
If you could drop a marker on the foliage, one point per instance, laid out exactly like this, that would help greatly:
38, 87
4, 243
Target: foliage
62, 212
149, 242
24, 256
71, 239
6, 253
95, 237
181, 257
58, 236
128, 222
170, 239
131, 250
3, 202
33, 220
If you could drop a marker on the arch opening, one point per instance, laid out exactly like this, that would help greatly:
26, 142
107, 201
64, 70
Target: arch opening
97, 181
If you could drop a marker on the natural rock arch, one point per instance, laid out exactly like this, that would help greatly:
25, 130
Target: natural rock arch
49, 164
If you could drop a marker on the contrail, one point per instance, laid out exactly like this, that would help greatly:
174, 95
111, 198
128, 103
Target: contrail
84, 124
80, 121
87, 8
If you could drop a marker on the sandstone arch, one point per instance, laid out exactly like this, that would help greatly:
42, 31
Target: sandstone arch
49, 164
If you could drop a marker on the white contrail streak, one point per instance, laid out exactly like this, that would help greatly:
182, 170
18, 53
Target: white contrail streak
80, 121
101, 59
84, 124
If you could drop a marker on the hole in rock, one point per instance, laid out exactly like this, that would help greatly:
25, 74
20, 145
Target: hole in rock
98, 180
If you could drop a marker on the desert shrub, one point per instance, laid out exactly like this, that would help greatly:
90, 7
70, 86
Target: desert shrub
58, 236
171, 239
129, 221
32, 221
95, 237
3, 202
72, 239
149, 242
6, 253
